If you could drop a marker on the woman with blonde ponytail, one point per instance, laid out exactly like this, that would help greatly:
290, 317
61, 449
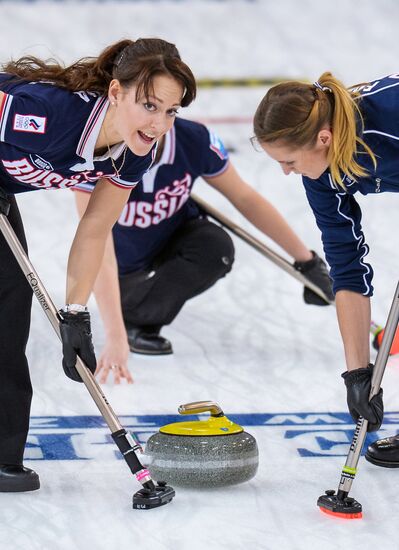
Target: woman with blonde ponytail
341, 141
99, 121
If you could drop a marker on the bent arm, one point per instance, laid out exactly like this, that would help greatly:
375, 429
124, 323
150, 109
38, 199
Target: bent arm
260, 212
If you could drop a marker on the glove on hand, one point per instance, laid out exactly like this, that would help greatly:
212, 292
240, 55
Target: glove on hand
316, 271
358, 386
76, 340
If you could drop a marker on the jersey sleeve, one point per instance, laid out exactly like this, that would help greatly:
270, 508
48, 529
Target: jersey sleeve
338, 217
215, 157
25, 122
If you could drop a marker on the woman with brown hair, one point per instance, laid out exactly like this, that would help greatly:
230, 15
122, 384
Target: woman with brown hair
96, 120
341, 141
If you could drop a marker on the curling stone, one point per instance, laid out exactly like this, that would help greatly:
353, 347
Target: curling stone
202, 453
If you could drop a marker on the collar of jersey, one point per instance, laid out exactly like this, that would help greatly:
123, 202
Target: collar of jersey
167, 157
168, 153
85, 148
87, 142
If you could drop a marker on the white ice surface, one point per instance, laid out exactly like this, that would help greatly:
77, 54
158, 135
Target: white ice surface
250, 343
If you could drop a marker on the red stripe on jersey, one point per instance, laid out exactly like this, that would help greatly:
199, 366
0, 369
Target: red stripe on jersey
3, 102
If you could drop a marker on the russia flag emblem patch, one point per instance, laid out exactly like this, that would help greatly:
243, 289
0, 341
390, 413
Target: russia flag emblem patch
29, 123
217, 146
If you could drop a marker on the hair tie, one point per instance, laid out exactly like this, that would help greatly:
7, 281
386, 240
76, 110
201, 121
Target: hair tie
320, 87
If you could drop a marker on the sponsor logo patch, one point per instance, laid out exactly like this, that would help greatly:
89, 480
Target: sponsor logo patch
39, 162
29, 123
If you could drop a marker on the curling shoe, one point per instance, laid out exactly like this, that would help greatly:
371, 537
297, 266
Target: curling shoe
146, 340
15, 478
384, 452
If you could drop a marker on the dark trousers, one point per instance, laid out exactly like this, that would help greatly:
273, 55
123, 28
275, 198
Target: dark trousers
15, 385
198, 254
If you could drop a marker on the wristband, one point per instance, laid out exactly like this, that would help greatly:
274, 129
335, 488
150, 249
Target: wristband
74, 308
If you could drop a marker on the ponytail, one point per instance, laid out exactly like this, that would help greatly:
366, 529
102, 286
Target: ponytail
346, 143
295, 112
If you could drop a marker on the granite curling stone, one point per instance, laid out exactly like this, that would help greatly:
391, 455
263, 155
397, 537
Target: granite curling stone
202, 453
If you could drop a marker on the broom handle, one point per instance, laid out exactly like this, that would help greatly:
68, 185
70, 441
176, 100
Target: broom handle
54, 318
126, 442
259, 246
269, 253
349, 470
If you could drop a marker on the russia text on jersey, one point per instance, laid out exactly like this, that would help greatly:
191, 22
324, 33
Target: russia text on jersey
25, 172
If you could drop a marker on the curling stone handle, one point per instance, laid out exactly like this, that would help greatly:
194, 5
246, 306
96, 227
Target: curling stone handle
198, 407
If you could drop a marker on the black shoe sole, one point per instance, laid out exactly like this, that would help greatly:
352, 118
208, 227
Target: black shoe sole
382, 463
145, 352
13, 486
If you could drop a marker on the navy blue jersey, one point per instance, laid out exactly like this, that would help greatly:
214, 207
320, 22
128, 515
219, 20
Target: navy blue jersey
161, 202
337, 213
47, 139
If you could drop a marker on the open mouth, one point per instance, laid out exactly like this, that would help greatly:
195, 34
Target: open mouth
147, 138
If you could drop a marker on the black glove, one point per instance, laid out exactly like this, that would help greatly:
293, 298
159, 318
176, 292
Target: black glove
358, 386
76, 340
316, 271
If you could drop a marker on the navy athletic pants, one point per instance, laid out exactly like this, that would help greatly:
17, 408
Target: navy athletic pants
198, 254
15, 385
